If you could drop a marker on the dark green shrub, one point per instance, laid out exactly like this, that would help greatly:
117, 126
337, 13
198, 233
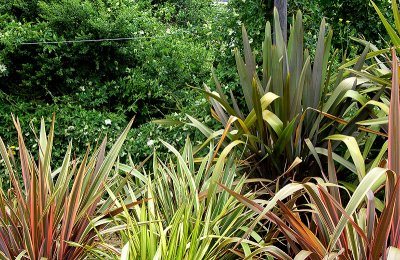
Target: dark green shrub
119, 76
86, 83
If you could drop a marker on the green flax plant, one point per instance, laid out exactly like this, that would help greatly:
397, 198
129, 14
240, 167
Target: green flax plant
185, 215
316, 223
54, 213
289, 100
376, 72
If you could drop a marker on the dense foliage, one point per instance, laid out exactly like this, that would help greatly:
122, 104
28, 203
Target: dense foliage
87, 83
354, 18
118, 76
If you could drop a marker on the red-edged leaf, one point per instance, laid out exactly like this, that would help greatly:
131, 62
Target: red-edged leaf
394, 119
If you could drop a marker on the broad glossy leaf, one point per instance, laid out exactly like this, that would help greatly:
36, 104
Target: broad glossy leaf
355, 152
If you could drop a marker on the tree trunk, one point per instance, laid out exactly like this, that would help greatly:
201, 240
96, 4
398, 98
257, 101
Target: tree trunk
281, 5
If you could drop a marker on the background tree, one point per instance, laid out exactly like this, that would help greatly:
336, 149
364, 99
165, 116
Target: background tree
282, 5
91, 82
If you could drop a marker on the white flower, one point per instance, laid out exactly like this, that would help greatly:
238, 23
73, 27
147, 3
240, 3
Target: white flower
168, 31
107, 122
3, 68
150, 143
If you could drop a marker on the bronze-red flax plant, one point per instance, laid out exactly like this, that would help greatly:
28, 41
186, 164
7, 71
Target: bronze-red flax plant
53, 214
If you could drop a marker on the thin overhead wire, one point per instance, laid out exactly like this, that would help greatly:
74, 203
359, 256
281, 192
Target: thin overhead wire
103, 39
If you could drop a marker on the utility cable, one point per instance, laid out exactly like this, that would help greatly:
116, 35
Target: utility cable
103, 39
